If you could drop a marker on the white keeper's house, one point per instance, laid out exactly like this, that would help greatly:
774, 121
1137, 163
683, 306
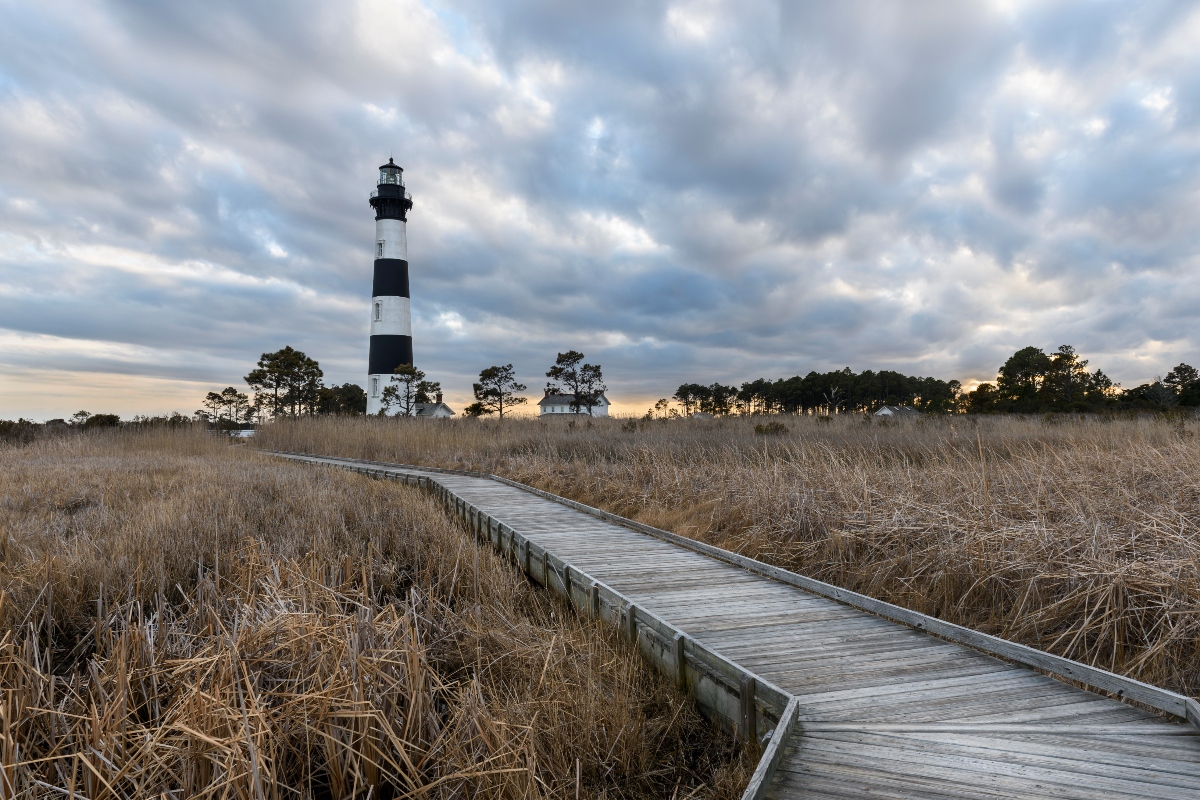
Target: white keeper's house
561, 404
436, 410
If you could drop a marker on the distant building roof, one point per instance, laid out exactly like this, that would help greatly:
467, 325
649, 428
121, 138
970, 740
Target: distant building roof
432, 410
567, 399
897, 411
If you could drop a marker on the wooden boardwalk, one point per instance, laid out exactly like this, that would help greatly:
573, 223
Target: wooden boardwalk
884, 710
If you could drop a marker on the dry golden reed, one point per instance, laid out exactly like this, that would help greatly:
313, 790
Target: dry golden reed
1078, 535
180, 617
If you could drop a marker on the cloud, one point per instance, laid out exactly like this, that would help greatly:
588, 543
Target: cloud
694, 190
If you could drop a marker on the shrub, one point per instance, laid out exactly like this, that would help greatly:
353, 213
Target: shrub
23, 431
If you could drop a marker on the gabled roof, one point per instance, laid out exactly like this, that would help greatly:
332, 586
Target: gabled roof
898, 411
430, 409
567, 399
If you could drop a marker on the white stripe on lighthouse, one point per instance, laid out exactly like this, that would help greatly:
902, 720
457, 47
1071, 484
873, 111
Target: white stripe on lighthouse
375, 386
390, 233
391, 316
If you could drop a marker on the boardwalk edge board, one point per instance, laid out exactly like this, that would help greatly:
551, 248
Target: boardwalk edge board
1119, 686
765, 771
723, 689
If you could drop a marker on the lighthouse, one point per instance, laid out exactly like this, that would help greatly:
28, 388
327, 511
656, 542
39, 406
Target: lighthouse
391, 316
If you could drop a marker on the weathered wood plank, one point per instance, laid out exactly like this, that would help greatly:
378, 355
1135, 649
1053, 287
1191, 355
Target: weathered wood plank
1045, 706
1086, 752
883, 755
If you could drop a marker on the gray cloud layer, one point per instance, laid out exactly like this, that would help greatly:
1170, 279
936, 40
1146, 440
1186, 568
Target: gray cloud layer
689, 191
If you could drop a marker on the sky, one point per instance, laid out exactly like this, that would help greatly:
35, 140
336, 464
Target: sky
685, 192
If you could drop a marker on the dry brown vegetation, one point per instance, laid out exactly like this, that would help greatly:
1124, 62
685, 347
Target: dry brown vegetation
1077, 535
182, 617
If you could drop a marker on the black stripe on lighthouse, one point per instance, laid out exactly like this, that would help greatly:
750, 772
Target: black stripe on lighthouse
387, 353
391, 278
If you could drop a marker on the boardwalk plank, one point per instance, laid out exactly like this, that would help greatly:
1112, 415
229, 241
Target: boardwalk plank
1089, 755
889, 692
947, 766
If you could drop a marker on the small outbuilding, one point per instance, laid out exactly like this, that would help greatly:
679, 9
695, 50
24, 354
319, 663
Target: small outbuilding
897, 412
561, 404
435, 410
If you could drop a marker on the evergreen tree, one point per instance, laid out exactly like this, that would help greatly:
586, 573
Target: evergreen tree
407, 388
1184, 381
1021, 378
1066, 380
717, 399
347, 399
228, 408
690, 396
286, 381
583, 382
497, 389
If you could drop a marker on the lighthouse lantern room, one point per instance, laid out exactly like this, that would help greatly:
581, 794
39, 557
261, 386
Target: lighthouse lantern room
391, 316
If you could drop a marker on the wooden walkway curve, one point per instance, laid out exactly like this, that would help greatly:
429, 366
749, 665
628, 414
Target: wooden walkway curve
877, 708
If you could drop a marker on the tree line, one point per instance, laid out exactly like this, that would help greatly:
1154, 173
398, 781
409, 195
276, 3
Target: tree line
1033, 381
825, 392
1030, 381
26, 431
288, 383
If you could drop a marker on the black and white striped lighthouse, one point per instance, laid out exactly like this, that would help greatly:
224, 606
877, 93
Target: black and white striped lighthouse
391, 316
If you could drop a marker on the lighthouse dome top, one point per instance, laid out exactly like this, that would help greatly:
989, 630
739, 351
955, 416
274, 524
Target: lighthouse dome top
391, 173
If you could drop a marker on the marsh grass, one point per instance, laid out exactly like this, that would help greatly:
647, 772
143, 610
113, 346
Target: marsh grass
1077, 535
182, 617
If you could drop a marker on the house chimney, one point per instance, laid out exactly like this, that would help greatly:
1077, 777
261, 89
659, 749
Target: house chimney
547, 391
439, 398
